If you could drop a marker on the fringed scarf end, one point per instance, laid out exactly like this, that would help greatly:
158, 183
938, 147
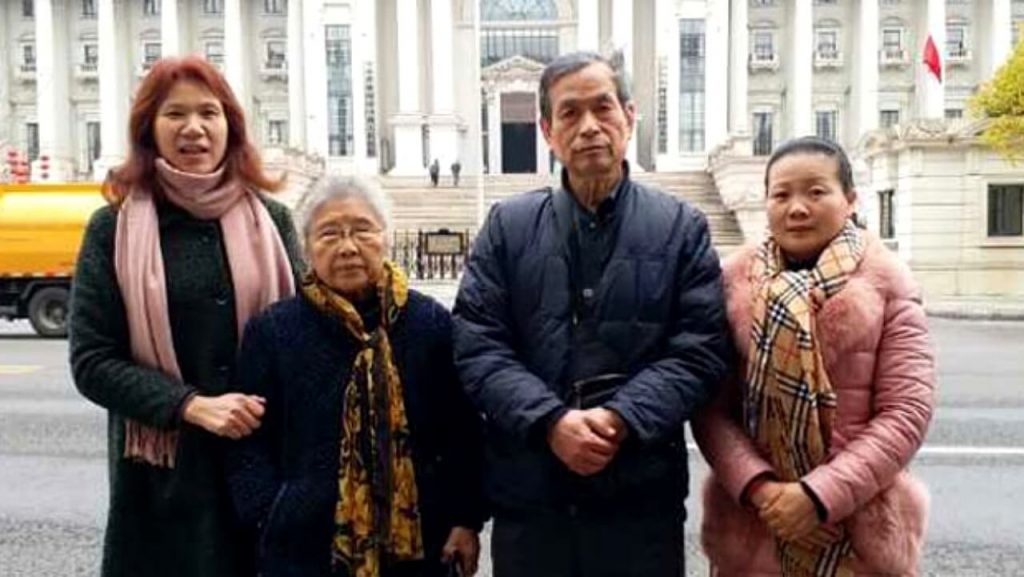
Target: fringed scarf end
149, 445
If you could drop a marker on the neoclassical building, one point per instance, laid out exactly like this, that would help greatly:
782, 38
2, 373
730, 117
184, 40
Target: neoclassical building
385, 87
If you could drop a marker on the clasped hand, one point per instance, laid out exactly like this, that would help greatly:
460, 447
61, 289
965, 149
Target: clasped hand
233, 415
587, 440
788, 512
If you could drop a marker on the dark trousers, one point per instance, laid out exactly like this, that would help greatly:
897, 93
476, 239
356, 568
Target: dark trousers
589, 542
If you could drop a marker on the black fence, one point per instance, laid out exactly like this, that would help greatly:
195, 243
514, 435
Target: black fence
430, 255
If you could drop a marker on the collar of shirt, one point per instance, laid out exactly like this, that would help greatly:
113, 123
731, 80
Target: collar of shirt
606, 209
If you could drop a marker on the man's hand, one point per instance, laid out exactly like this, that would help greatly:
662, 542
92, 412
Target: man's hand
233, 415
791, 515
606, 424
576, 444
463, 547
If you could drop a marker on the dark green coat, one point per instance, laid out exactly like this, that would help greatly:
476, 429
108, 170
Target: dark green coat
165, 522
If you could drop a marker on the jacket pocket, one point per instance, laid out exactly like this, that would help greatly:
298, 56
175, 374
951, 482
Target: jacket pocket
887, 533
266, 528
654, 288
730, 535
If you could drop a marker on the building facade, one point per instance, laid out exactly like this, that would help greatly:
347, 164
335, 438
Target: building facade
385, 87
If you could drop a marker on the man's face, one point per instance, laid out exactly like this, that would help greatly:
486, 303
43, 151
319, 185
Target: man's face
589, 128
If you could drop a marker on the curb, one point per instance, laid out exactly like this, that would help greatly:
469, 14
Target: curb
976, 315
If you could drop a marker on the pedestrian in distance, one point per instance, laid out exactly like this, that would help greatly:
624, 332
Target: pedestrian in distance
589, 327
456, 170
810, 438
188, 250
369, 458
435, 172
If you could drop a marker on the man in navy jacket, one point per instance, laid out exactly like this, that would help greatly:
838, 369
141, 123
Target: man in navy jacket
589, 327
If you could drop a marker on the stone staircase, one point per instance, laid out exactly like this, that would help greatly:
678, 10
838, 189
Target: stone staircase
417, 205
698, 188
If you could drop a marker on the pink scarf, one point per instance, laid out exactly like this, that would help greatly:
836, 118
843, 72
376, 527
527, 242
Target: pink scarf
259, 265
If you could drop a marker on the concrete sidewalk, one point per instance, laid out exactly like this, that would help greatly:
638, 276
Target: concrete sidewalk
442, 290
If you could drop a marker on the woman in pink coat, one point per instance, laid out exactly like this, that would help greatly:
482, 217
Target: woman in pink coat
809, 442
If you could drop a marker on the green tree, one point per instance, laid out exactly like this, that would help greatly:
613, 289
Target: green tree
1001, 101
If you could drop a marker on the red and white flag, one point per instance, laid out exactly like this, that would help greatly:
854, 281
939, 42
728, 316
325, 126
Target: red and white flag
932, 59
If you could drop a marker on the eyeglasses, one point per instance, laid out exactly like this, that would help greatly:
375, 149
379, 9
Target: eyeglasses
359, 234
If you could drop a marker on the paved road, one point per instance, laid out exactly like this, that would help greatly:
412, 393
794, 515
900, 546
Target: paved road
53, 474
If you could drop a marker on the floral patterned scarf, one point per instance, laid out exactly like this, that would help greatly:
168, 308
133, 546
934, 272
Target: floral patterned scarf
790, 404
377, 518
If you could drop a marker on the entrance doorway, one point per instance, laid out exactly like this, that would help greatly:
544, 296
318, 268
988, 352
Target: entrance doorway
518, 132
518, 147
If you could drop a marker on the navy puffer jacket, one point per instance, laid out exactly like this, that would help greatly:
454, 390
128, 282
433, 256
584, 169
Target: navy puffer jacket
659, 305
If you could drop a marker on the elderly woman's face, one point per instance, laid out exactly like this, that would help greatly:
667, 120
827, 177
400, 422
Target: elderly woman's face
190, 129
806, 204
346, 246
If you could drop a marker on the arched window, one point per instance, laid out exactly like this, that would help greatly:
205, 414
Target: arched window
505, 10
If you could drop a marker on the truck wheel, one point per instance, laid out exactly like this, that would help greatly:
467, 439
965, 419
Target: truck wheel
48, 312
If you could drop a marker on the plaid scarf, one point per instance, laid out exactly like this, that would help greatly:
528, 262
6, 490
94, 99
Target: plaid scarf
790, 405
377, 518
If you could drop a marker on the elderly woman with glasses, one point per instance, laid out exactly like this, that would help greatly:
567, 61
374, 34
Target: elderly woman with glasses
367, 462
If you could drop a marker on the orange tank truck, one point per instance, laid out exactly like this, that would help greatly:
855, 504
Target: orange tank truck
41, 228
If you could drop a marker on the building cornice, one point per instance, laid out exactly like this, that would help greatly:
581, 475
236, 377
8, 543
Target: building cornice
923, 133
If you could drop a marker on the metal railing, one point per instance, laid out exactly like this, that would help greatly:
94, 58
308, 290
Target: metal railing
410, 250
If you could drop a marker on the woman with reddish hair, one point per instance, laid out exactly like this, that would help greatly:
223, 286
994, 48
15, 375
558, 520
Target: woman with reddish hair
168, 274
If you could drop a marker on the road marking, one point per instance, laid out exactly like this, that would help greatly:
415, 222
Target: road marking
954, 450
968, 450
19, 369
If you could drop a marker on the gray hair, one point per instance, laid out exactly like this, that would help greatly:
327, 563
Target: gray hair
573, 62
337, 187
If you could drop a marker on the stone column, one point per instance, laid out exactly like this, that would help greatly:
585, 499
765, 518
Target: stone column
444, 123
587, 20
238, 59
997, 37
801, 66
314, 64
170, 29
543, 153
360, 51
296, 76
53, 105
931, 98
115, 71
739, 43
716, 74
6, 78
408, 123
865, 70
622, 39
622, 30
667, 32
494, 130
366, 19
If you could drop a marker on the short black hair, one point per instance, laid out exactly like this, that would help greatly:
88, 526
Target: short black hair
573, 62
815, 145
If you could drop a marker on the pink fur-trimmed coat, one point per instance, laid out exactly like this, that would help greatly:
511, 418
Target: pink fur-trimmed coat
874, 341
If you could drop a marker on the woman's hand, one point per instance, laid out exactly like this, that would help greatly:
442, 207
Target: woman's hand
823, 536
791, 515
463, 547
233, 415
765, 494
